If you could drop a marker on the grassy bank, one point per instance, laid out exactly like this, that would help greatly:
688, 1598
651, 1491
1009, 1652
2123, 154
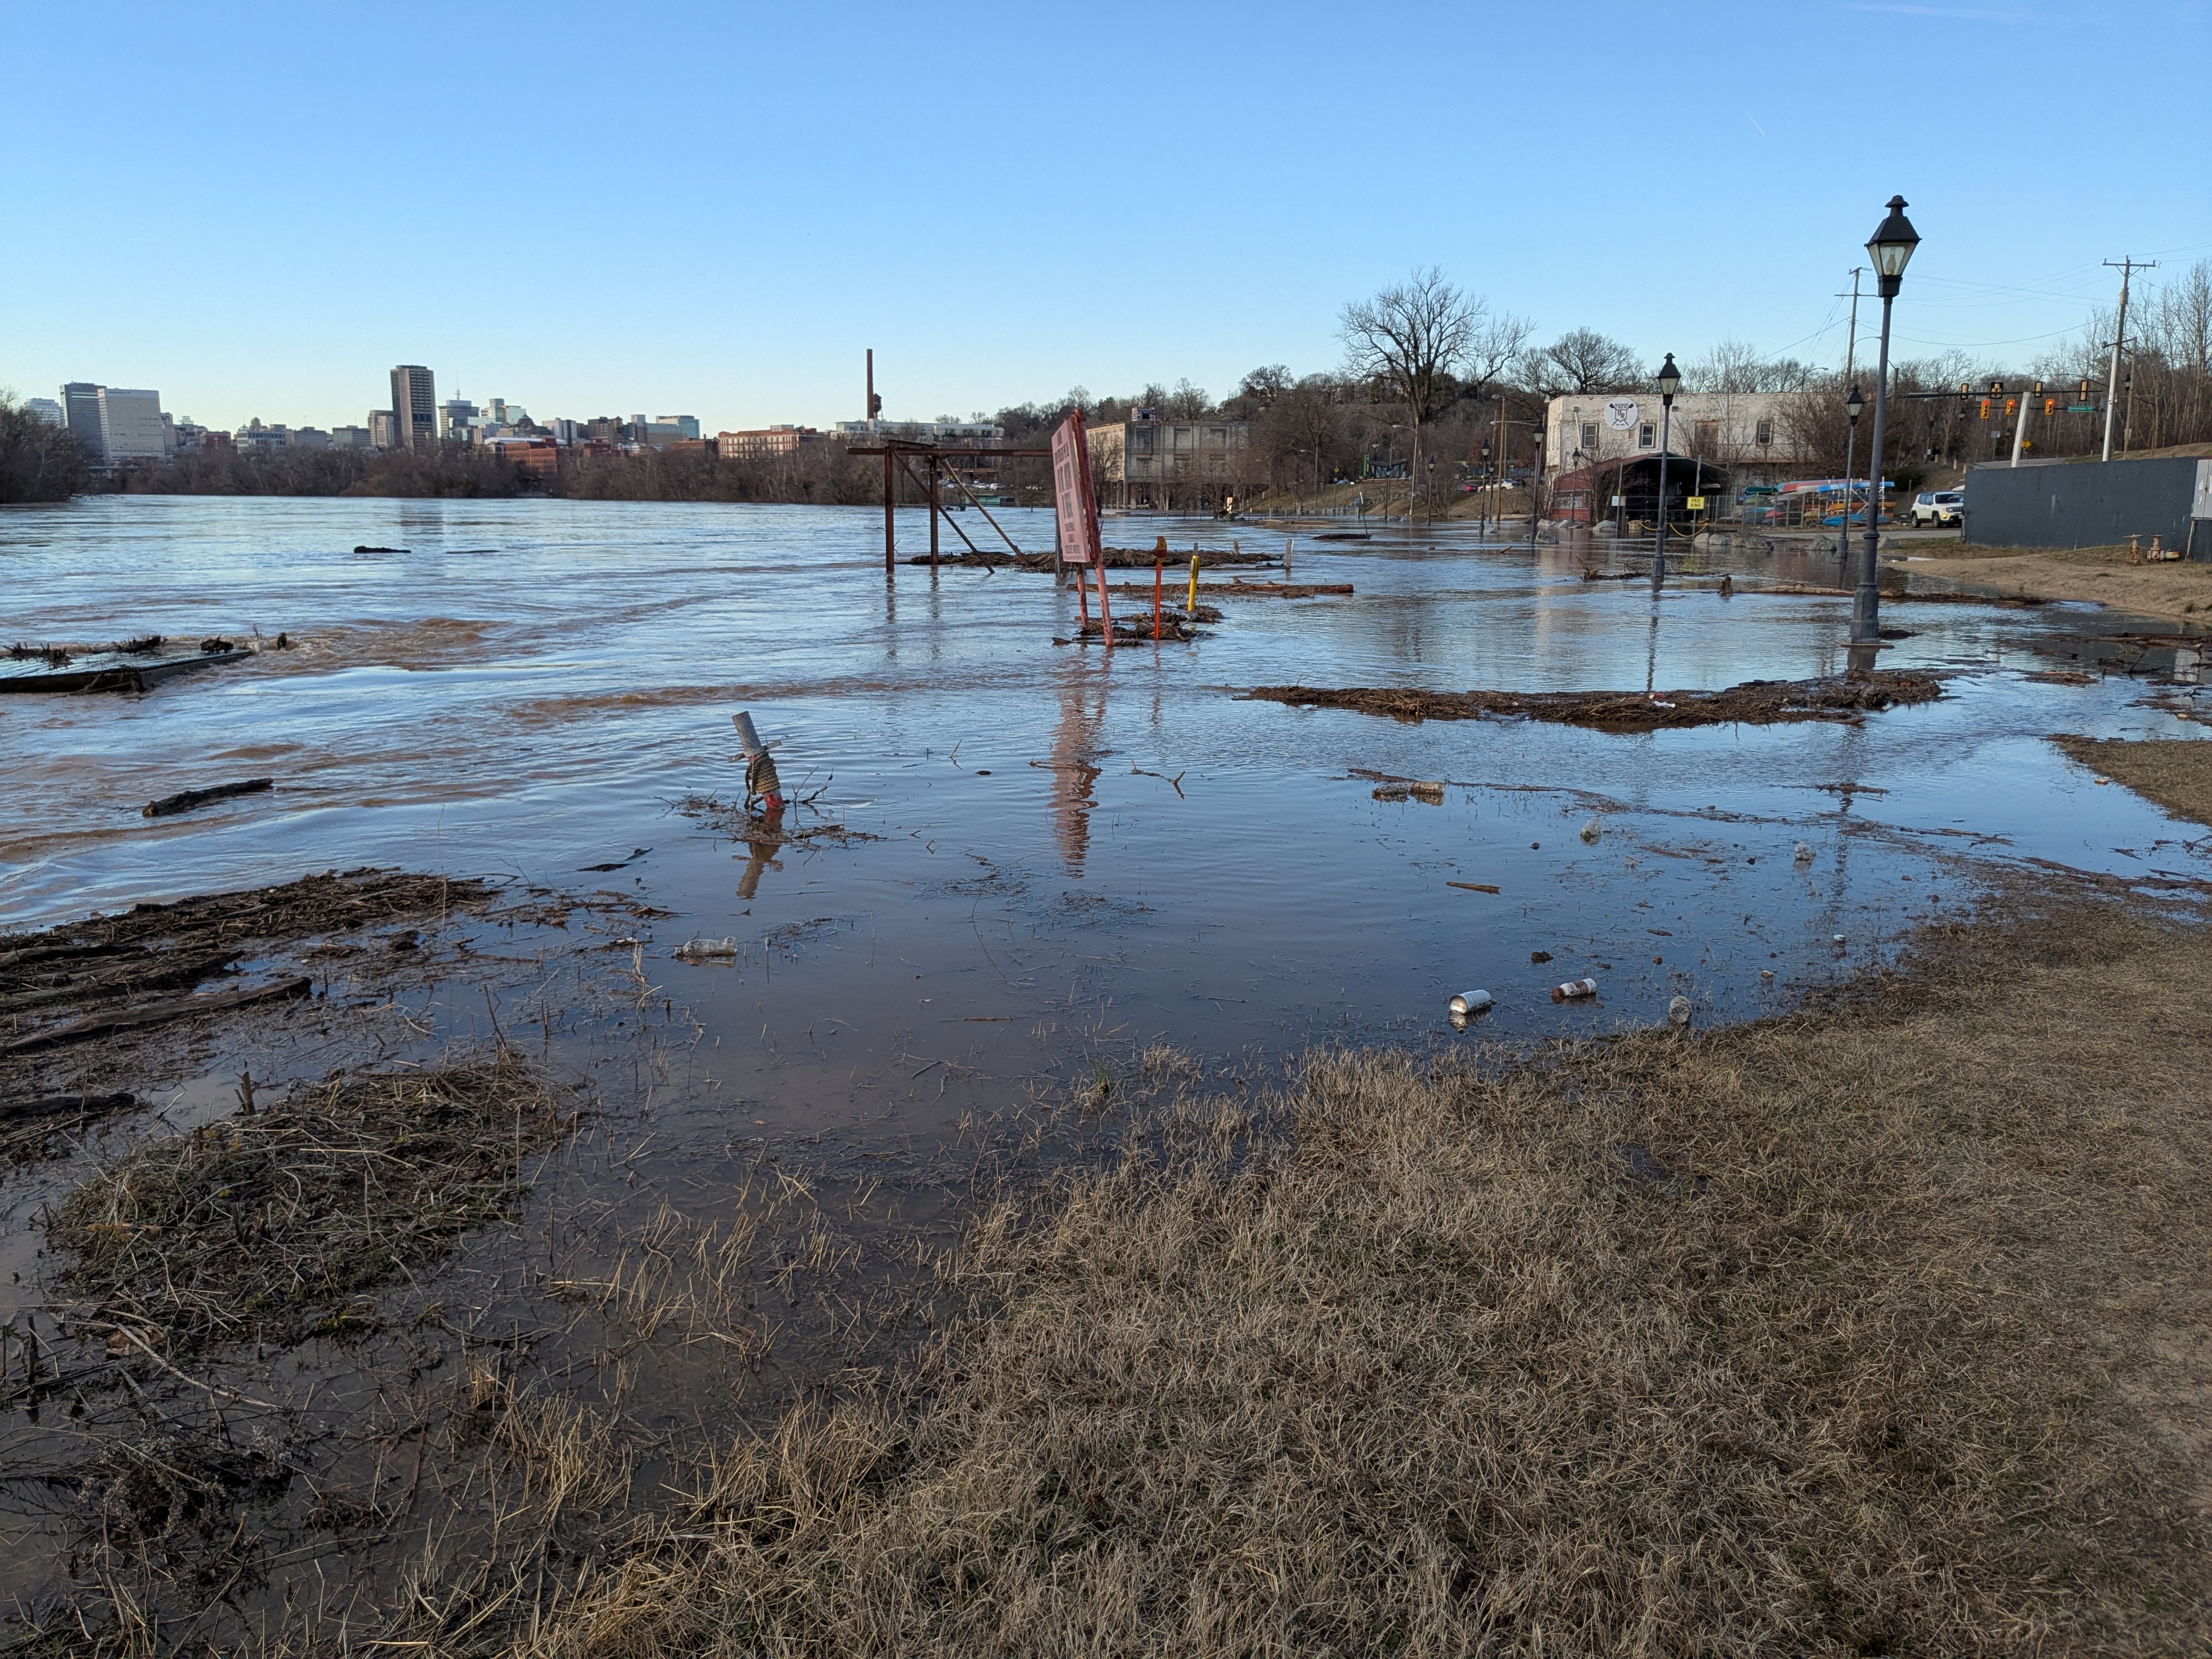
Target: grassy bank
1881, 1328
2176, 774
2182, 590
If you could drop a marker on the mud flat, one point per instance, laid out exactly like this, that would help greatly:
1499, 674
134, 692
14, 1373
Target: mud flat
1754, 702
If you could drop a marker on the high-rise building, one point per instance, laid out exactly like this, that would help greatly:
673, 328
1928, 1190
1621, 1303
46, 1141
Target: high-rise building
46, 409
455, 416
383, 430
686, 426
131, 425
414, 408
81, 411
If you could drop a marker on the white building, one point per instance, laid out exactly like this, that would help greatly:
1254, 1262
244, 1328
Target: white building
46, 409
131, 425
1731, 428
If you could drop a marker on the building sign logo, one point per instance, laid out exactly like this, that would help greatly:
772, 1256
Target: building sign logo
1620, 414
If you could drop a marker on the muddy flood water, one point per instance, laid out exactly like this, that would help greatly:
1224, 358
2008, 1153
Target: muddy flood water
1019, 872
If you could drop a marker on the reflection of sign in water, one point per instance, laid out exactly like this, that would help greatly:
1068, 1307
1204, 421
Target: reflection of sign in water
1070, 485
1620, 414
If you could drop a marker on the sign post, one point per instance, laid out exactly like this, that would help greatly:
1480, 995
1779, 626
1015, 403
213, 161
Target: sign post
1078, 510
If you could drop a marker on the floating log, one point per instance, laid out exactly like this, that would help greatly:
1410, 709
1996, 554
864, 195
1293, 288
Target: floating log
125, 676
184, 799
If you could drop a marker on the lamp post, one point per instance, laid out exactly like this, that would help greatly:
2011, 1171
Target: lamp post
1891, 248
1670, 382
1853, 406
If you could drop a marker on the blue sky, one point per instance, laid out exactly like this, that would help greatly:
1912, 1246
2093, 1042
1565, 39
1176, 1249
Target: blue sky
713, 210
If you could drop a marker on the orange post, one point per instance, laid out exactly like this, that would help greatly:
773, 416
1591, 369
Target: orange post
1157, 579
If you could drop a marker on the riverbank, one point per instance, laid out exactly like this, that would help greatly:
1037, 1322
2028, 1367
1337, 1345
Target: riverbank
1875, 1328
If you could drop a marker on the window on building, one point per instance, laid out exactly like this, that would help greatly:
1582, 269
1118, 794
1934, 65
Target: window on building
1646, 435
1764, 433
1705, 437
1590, 437
1141, 439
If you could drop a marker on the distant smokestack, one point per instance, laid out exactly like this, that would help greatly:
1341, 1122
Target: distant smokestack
875, 406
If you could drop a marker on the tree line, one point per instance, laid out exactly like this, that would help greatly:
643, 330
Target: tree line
1433, 382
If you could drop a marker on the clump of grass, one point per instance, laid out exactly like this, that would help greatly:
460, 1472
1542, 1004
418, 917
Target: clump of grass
1841, 1334
272, 1225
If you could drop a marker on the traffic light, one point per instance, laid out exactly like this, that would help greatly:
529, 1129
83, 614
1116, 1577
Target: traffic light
2051, 405
1985, 408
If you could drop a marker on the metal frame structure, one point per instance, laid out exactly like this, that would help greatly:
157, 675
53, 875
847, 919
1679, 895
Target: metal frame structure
899, 455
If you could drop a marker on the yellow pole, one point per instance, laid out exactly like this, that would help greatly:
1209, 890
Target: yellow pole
1194, 588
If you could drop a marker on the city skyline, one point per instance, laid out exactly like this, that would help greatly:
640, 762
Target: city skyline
1632, 189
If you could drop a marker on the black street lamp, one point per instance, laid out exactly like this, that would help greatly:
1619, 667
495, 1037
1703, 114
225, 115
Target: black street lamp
1853, 406
1670, 382
1891, 248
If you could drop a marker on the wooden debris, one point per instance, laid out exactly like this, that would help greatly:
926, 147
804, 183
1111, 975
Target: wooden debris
159, 1014
1754, 702
185, 799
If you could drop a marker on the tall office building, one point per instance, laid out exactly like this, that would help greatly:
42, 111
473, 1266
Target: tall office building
414, 408
131, 425
80, 405
383, 430
46, 409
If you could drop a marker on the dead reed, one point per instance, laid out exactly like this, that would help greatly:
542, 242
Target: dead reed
276, 1224
1875, 1329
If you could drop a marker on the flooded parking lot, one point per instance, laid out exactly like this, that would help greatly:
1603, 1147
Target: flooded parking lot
1013, 868
533, 689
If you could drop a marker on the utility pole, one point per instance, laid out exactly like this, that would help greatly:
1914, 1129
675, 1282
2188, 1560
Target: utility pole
2127, 267
2020, 431
1852, 340
1850, 464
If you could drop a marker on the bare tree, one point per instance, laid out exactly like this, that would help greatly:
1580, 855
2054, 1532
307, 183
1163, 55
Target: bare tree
1408, 338
1492, 348
1187, 401
1582, 362
39, 461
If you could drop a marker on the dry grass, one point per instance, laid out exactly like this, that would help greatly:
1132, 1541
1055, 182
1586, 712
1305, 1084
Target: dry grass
270, 1225
2176, 773
2099, 574
1874, 1330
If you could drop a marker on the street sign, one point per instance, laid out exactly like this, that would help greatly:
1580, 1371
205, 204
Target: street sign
1620, 414
1071, 485
1696, 503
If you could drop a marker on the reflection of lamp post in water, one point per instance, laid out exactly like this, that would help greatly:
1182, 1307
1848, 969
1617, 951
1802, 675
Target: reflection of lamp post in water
1670, 382
1890, 246
1854, 405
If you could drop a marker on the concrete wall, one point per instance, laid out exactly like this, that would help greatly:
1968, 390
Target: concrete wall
2086, 503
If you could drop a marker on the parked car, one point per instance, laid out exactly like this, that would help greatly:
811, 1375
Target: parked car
1940, 507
